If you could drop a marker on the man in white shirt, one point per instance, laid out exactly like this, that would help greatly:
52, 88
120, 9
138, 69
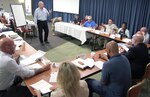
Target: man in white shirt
9, 69
111, 27
145, 34
40, 18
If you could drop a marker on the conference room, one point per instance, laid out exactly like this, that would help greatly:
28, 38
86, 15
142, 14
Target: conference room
74, 48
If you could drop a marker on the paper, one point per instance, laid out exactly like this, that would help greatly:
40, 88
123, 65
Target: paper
124, 46
97, 31
42, 85
126, 40
83, 63
99, 64
45, 61
39, 54
18, 44
112, 36
53, 77
34, 66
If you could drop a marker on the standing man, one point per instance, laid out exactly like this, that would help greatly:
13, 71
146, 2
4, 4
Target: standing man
40, 18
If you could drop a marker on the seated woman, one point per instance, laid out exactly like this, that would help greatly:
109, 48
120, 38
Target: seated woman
124, 31
84, 20
69, 83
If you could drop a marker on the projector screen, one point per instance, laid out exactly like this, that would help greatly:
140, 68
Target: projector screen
67, 6
18, 14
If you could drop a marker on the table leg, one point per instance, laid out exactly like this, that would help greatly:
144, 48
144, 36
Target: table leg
94, 42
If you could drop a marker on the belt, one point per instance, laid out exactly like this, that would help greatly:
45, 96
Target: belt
42, 20
2, 91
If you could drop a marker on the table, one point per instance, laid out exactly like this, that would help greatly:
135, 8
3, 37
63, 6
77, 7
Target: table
96, 34
73, 30
46, 75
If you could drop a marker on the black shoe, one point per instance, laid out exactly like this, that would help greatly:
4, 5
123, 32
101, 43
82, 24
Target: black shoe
46, 42
42, 43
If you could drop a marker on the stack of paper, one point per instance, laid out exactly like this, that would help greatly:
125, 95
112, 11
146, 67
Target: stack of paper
53, 77
99, 64
39, 54
43, 86
83, 63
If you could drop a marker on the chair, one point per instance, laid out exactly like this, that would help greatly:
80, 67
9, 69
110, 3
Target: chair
145, 76
147, 72
23, 30
135, 90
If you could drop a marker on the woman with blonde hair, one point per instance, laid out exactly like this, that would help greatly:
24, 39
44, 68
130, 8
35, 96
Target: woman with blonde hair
69, 83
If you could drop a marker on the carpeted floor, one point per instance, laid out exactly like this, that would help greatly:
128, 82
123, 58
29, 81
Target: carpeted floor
63, 48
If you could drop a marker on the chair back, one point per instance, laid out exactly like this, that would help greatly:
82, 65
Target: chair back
135, 89
147, 72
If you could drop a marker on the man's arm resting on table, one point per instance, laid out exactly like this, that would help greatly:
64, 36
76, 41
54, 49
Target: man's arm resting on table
37, 71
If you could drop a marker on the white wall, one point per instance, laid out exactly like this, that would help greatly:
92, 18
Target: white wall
5, 4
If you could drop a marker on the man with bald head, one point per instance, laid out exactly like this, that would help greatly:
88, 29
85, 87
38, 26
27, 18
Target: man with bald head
116, 75
10, 69
137, 56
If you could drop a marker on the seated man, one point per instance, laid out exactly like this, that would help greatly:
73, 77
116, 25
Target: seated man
145, 34
116, 75
1, 39
76, 20
90, 23
54, 20
3, 19
111, 27
137, 56
10, 69
124, 31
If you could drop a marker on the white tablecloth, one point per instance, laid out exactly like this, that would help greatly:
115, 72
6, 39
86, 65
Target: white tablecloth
73, 30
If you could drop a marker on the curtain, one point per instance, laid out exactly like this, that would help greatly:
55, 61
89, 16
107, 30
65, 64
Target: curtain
135, 12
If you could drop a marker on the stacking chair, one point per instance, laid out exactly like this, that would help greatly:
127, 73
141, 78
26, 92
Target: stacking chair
135, 90
147, 72
23, 30
26, 31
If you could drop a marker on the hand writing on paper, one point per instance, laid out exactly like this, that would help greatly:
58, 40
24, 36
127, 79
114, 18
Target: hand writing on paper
103, 56
53, 88
46, 67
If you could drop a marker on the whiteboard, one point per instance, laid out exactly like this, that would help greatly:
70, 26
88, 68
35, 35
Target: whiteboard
67, 6
18, 13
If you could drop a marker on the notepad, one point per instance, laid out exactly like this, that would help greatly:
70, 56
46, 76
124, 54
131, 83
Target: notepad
39, 54
99, 64
81, 63
43, 86
53, 77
